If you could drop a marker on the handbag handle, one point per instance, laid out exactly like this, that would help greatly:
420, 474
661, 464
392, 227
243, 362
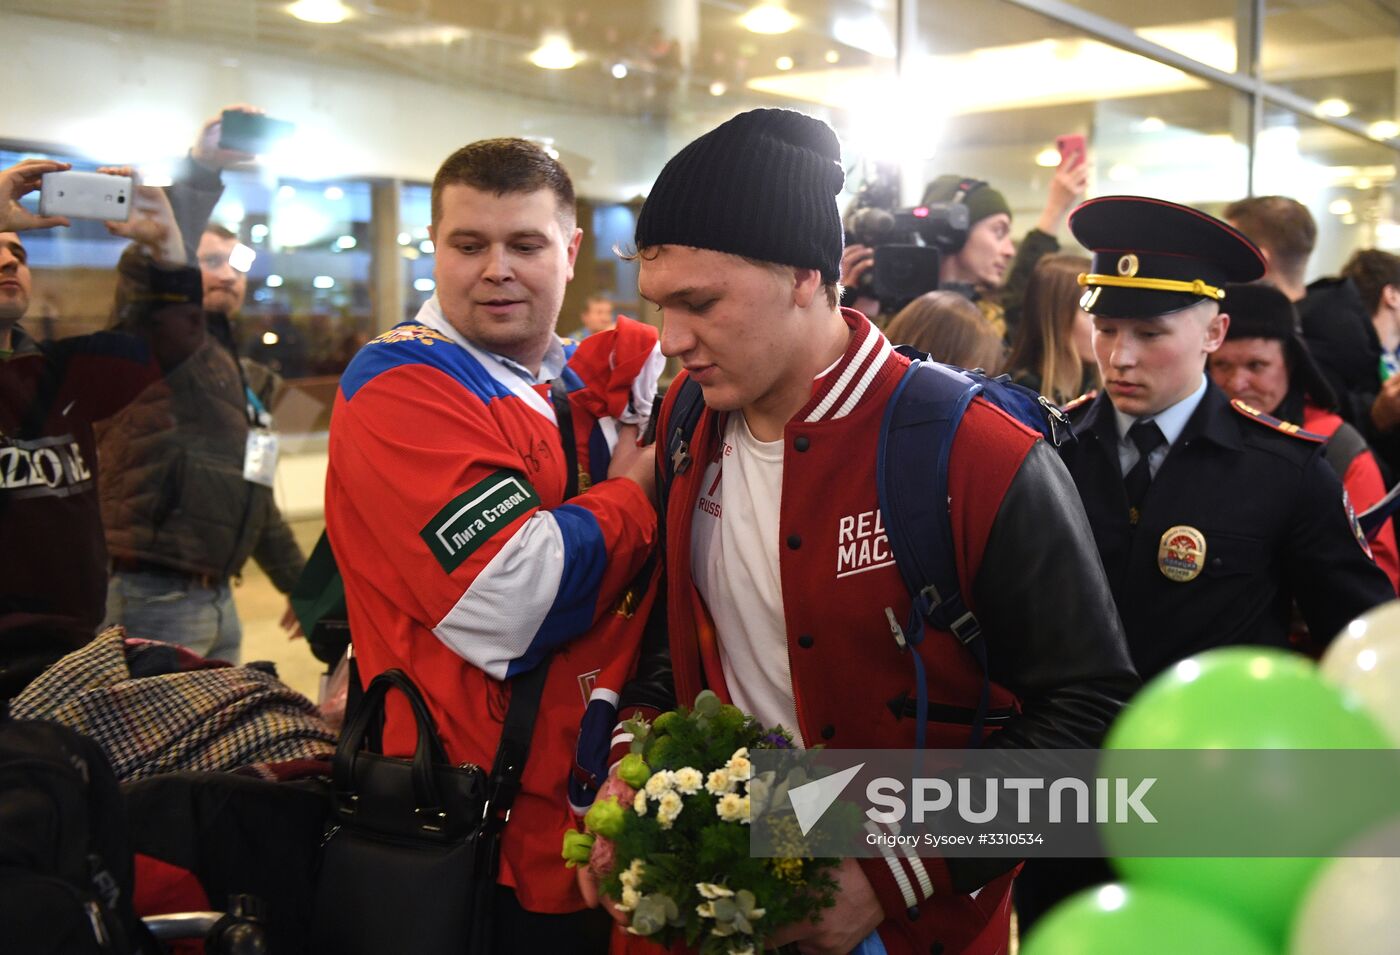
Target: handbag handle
428, 753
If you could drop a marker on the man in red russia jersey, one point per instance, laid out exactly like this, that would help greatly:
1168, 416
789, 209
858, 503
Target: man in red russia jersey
464, 565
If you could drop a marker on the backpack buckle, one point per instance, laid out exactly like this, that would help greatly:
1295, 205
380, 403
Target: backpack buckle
1060, 427
966, 628
897, 630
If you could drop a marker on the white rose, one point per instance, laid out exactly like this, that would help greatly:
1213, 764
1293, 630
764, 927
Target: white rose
713, 890
719, 782
731, 807
659, 784
639, 803
688, 780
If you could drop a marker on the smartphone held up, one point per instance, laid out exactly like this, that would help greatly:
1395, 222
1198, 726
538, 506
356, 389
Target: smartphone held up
86, 195
252, 133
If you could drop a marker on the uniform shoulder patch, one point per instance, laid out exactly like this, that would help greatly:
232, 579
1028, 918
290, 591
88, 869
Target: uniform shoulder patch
410, 333
1277, 424
1079, 402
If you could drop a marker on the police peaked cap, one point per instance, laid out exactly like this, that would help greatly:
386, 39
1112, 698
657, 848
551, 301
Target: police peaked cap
1152, 257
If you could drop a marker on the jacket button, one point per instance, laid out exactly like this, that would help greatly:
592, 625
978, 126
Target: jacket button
801, 443
1216, 562
828, 732
913, 913
794, 542
805, 641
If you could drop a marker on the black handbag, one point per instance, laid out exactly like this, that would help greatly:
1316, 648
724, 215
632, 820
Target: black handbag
412, 848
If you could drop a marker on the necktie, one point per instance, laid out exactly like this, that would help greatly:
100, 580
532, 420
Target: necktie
1147, 437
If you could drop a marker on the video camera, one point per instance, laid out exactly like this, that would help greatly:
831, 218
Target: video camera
909, 243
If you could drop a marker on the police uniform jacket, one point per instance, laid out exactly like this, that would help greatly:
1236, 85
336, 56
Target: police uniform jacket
1057, 658
1274, 523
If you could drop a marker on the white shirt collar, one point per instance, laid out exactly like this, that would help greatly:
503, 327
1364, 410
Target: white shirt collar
1171, 421
551, 366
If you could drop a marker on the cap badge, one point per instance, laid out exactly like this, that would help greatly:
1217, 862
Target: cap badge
1128, 265
1181, 555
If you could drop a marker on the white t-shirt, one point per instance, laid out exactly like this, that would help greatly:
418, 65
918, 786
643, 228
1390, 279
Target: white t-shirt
734, 560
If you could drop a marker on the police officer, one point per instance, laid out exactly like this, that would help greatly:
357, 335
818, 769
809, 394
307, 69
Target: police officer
1211, 518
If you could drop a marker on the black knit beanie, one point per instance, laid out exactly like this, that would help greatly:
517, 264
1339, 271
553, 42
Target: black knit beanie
763, 185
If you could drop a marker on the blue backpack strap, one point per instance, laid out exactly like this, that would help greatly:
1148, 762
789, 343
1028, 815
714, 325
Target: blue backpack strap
911, 472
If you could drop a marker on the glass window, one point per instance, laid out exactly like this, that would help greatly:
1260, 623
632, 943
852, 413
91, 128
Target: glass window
1340, 53
1205, 30
1152, 129
1347, 182
308, 304
416, 249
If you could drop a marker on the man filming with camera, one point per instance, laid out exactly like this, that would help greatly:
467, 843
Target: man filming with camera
966, 224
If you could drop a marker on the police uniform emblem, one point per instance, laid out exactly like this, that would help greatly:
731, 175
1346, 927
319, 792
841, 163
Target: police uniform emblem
1128, 265
1181, 555
1356, 525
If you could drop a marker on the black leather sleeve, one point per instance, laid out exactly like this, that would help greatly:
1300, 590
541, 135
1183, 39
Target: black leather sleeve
652, 685
1053, 632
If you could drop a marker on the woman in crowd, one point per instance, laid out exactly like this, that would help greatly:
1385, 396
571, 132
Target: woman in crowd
951, 329
1054, 349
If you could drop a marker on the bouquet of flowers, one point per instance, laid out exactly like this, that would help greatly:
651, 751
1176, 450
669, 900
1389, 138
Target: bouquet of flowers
669, 836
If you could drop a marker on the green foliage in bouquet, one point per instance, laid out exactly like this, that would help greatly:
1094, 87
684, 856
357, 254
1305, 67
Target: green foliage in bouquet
682, 869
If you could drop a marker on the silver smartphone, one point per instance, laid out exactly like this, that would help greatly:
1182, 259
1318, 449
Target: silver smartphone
86, 195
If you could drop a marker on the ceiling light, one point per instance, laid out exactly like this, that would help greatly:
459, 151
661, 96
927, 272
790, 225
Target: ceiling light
274, 281
319, 11
555, 52
345, 242
619, 71
1122, 172
270, 338
286, 192
717, 88
405, 238
833, 57
769, 18
1334, 107
1385, 129
783, 63
334, 193
1049, 157
426, 246
1340, 207
323, 281
258, 232
1388, 234
1364, 182
1349, 220
1151, 124
424, 285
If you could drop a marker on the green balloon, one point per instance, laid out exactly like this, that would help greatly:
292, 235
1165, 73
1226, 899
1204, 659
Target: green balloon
1240, 698
1118, 919
1244, 698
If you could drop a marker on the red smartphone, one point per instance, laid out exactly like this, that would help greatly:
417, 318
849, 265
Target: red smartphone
1069, 144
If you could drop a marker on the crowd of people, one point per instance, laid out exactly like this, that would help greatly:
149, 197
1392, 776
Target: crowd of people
496, 507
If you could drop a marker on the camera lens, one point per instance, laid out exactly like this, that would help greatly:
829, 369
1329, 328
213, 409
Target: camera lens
121, 199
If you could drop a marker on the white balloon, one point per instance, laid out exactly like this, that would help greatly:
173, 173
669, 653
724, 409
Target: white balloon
1350, 907
1365, 659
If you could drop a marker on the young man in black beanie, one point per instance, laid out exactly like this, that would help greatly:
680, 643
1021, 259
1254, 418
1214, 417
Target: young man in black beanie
780, 573
1265, 363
